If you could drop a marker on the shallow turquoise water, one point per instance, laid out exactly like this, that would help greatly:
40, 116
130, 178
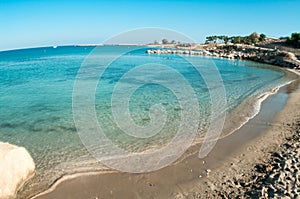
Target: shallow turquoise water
36, 100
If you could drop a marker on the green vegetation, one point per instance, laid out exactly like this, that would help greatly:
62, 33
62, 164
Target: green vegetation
215, 38
262, 37
251, 39
165, 41
155, 42
294, 40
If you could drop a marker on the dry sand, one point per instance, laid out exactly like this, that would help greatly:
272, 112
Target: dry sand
242, 164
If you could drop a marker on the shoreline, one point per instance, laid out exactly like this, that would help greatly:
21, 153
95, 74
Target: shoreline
70, 178
253, 169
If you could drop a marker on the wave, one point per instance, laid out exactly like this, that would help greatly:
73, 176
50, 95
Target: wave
256, 107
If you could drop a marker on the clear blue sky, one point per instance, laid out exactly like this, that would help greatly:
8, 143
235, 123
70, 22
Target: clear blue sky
55, 22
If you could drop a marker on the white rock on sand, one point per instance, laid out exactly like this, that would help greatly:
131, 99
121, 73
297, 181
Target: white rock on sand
16, 167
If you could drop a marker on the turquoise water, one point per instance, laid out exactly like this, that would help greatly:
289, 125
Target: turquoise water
36, 88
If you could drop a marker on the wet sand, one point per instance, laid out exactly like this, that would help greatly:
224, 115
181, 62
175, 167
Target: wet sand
265, 167
192, 177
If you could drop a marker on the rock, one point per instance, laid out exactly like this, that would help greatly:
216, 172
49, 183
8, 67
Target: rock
281, 176
269, 168
151, 184
207, 171
16, 167
178, 196
264, 192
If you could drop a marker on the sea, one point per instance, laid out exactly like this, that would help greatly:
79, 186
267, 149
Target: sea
37, 105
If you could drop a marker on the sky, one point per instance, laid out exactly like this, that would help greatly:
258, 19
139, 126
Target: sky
33, 23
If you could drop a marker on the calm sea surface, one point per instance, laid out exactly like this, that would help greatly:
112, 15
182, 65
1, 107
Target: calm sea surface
36, 88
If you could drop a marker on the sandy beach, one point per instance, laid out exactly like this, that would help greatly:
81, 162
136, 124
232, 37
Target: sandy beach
149, 99
242, 164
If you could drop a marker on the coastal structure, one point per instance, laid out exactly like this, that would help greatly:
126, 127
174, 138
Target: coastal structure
239, 51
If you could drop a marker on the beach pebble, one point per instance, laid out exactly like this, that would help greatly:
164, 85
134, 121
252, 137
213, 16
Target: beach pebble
151, 184
264, 192
207, 171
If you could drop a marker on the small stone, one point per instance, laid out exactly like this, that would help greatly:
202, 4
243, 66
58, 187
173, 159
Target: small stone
264, 192
207, 171
151, 184
269, 168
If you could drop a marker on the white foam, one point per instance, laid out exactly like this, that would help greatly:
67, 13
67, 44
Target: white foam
257, 106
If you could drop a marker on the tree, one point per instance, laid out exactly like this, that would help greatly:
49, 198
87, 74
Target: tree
209, 39
236, 39
226, 39
214, 38
252, 38
294, 40
165, 41
262, 37
223, 38
173, 42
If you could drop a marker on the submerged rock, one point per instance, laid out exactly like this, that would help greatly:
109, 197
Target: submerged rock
16, 167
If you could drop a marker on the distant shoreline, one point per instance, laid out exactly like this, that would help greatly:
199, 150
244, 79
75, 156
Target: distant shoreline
262, 54
286, 57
